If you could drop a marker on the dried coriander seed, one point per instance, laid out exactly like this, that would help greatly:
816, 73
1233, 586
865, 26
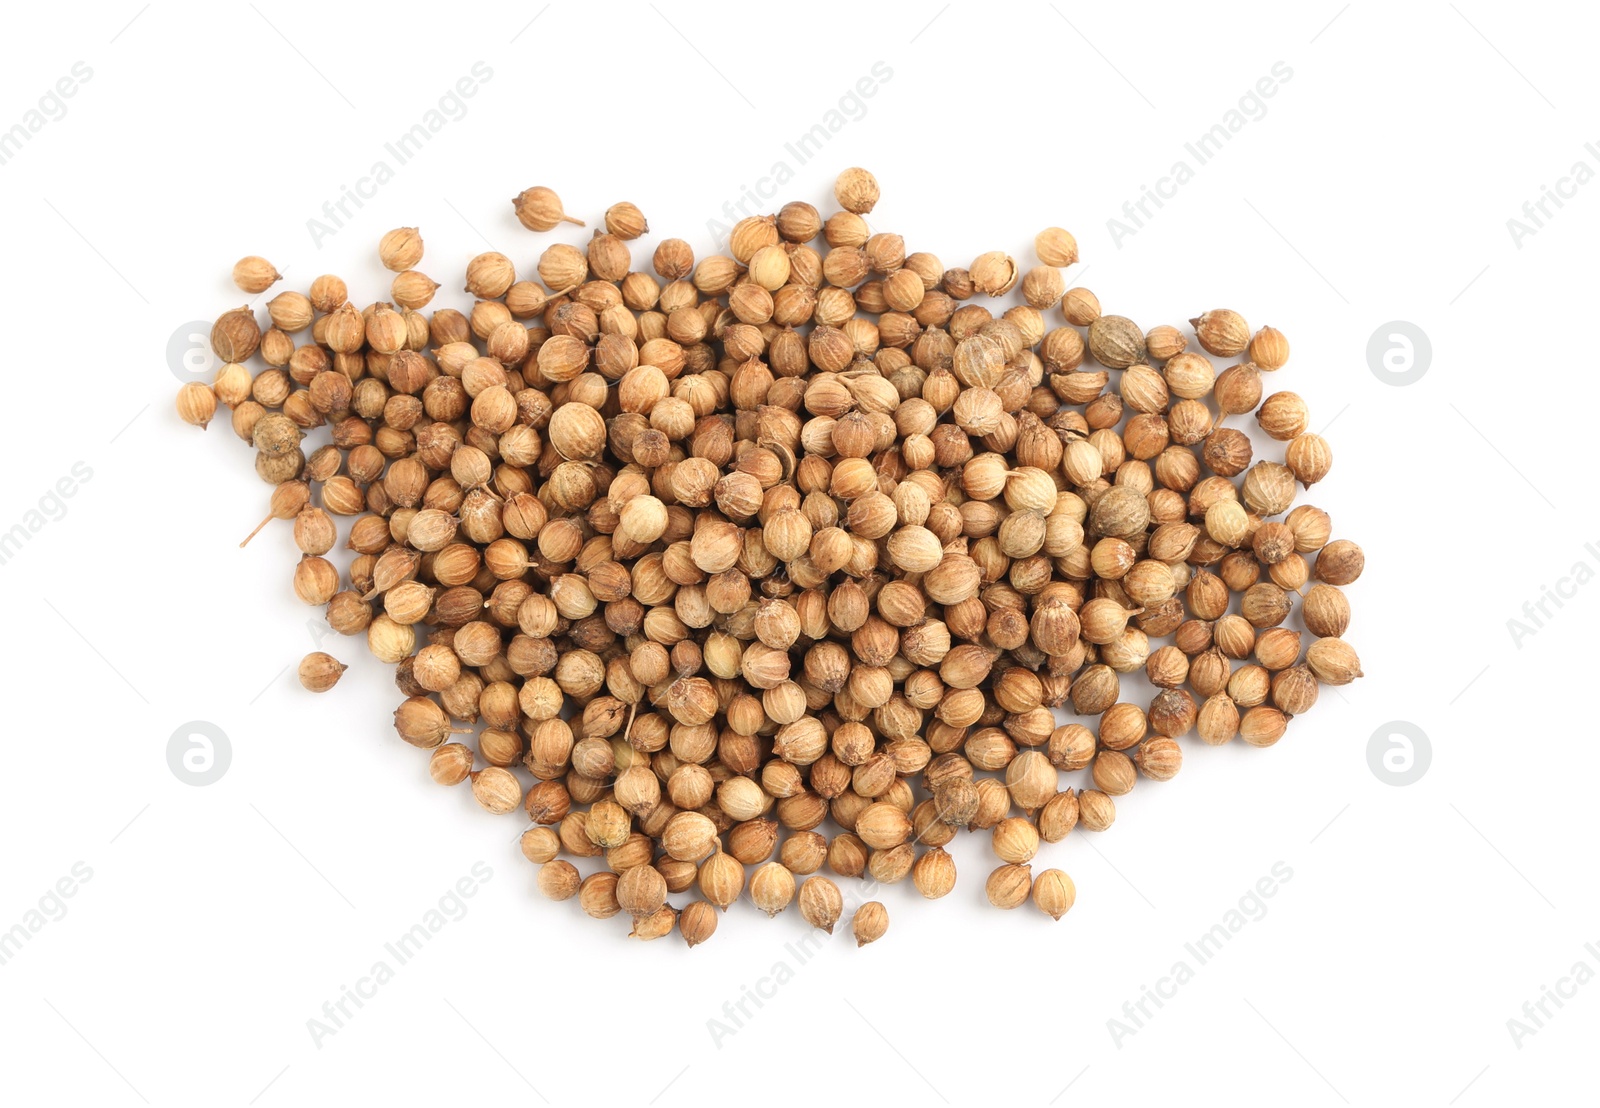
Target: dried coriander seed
1164, 342
1269, 349
994, 273
451, 764
1309, 458
656, 925
597, 895
821, 903
1009, 885
400, 249
772, 888
196, 404
1333, 661
1054, 893
538, 844
1326, 611
856, 190
1339, 562
870, 923
624, 220
641, 891
235, 335
1056, 247
1116, 341
1015, 840
1283, 415
559, 879
697, 923
786, 559
1222, 332
255, 274
1081, 308
539, 209
497, 790
320, 672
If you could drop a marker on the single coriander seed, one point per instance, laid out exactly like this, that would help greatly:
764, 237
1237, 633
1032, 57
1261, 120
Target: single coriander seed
870, 923
1009, 885
320, 672
697, 923
539, 209
400, 249
772, 888
196, 404
626, 221
1055, 247
1054, 893
559, 879
821, 903
1116, 341
856, 190
255, 274
1222, 332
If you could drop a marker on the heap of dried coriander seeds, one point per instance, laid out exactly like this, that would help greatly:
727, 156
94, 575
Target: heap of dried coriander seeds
783, 560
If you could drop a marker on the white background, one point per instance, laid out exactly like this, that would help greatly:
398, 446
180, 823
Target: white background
1377, 187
